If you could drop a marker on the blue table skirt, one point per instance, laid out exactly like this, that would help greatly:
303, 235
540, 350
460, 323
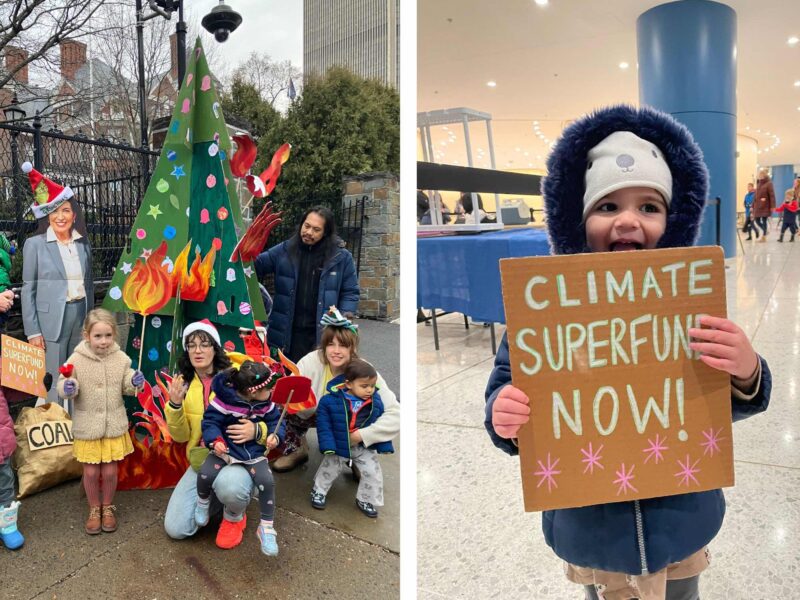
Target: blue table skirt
462, 273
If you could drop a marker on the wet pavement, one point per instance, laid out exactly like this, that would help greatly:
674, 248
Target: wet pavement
335, 553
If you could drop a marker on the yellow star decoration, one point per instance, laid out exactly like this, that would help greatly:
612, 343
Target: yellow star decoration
154, 211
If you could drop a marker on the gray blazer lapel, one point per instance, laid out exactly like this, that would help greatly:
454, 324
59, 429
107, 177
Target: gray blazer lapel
55, 257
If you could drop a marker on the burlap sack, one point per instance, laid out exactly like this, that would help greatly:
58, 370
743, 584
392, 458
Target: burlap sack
44, 449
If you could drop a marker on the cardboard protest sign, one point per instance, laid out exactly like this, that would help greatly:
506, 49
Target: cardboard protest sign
621, 408
23, 366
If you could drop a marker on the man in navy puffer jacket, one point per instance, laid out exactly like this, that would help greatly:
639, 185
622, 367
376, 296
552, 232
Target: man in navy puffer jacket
312, 272
661, 202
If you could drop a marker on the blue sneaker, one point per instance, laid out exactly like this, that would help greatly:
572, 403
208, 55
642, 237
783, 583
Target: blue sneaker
9, 535
201, 512
317, 499
367, 509
269, 540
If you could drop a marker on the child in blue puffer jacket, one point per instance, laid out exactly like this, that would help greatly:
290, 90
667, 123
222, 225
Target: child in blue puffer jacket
243, 394
595, 202
352, 402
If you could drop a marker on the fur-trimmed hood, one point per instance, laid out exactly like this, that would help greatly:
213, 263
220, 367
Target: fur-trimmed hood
564, 185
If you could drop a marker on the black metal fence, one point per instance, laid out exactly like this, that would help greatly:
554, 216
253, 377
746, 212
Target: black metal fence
108, 179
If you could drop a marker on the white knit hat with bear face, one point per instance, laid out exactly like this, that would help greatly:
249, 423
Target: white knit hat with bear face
624, 160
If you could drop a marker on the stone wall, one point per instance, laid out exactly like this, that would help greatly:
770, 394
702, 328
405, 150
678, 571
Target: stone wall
379, 276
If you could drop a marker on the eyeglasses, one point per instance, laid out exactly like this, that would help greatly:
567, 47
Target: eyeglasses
201, 346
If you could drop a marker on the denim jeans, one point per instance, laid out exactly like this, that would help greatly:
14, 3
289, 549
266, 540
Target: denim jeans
231, 490
7, 494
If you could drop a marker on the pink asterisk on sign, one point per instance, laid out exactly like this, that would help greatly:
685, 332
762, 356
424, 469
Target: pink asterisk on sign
712, 441
546, 473
655, 449
592, 459
687, 472
624, 479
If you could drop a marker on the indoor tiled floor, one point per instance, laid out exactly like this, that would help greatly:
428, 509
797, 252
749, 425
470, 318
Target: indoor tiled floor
475, 541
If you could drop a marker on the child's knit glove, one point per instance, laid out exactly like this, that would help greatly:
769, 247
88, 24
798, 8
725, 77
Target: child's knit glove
510, 411
138, 379
70, 387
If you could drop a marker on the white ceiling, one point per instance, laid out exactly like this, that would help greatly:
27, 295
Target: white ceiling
555, 63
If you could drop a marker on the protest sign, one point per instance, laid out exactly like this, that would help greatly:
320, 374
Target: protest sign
621, 408
23, 366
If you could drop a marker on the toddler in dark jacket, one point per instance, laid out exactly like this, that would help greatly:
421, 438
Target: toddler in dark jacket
242, 394
789, 210
632, 179
352, 402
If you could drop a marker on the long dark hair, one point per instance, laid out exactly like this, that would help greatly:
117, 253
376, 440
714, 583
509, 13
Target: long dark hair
329, 243
79, 225
220, 362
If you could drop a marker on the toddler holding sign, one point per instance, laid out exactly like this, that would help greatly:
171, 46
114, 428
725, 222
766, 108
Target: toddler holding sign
96, 376
632, 179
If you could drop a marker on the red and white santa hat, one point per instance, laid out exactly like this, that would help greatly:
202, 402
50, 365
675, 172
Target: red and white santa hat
204, 325
47, 194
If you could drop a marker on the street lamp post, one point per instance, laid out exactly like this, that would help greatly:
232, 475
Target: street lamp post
15, 113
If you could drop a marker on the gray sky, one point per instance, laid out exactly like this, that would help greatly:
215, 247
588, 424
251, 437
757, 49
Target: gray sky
274, 27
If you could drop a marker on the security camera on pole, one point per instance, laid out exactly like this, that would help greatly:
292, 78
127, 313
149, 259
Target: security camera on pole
221, 21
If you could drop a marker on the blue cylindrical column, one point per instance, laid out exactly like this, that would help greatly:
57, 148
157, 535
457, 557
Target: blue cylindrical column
687, 67
782, 180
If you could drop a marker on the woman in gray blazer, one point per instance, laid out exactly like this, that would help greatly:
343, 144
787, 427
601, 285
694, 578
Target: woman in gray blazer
57, 282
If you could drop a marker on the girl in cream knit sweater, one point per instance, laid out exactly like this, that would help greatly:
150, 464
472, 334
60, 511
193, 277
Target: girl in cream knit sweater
96, 376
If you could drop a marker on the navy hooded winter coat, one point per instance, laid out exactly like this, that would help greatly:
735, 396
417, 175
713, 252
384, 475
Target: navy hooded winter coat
672, 528
338, 286
227, 407
333, 420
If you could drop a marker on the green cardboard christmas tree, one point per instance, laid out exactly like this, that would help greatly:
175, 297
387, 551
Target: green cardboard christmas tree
191, 199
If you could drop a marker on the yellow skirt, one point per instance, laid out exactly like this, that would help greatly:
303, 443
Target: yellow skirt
103, 450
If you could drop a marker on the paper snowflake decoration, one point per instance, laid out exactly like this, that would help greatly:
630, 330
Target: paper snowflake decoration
546, 473
655, 449
623, 480
712, 441
592, 459
687, 472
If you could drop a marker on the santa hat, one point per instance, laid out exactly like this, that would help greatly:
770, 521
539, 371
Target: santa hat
204, 325
47, 194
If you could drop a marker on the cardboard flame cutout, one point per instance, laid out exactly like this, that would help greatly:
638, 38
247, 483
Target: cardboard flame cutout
245, 155
194, 285
148, 287
157, 460
256, 236
264, 184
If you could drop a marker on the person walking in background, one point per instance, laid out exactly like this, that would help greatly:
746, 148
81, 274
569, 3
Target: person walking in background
789, 210
748, 207
764, 202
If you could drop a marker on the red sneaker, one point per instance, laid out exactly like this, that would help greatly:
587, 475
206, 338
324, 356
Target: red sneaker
230, 533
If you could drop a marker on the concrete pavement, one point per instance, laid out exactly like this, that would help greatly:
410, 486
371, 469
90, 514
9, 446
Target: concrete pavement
337, 553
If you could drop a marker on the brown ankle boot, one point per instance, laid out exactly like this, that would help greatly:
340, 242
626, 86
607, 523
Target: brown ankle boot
92, 526
290, 461
109, 520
